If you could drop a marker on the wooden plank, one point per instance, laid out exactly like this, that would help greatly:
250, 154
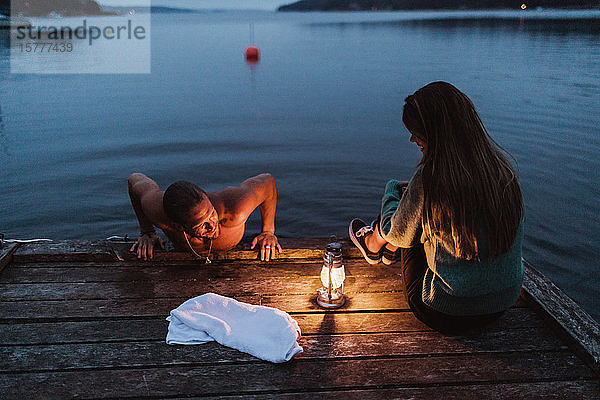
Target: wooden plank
78, 356
191, 272
328, 323
104, 331
191, 288
6, 254
571, 390
297, 375
388, 301
39, 311
136, 271
135, 354
293, 248
581, 330
23, 311
67, 250
103, 250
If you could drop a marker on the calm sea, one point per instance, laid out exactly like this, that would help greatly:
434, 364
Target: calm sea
322, 113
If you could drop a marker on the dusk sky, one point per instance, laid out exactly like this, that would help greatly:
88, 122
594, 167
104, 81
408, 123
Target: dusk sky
203, 4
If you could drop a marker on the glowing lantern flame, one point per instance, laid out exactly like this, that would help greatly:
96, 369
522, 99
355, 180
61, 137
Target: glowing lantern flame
331, 295
523, 6
337, 277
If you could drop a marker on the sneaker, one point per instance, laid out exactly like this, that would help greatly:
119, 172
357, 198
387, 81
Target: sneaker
357, 230
374, 223
389, 257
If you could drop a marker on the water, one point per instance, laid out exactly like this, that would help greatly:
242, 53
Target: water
322, 113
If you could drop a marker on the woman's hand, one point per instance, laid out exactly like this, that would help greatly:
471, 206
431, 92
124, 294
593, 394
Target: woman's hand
268, 245
145, 245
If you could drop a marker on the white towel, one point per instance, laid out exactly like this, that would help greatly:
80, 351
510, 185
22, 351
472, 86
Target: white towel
264, 332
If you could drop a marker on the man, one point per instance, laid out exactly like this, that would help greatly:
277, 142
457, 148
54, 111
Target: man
195, 220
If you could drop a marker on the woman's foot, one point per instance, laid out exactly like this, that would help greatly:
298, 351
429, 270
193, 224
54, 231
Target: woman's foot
358, 231
388, 256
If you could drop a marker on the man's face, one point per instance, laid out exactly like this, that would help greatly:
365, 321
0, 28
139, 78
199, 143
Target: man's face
203, 220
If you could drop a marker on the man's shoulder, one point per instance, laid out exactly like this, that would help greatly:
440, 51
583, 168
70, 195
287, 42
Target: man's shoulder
153, 198
152, 203
233, 197
229, 204
235, 204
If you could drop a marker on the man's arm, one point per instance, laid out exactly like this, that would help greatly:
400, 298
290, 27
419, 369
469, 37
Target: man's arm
140, 185
140, 188
261, 190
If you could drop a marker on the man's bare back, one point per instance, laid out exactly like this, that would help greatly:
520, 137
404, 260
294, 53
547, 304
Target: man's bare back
191, 217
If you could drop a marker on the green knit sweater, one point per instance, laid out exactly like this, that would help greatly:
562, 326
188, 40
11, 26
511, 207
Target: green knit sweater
451, 285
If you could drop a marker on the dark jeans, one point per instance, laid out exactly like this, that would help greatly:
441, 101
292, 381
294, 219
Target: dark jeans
414, 266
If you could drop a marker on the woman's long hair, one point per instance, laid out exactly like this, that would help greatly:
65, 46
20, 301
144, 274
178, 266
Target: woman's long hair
468, 183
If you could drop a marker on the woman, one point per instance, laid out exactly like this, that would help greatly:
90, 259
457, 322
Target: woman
458, 223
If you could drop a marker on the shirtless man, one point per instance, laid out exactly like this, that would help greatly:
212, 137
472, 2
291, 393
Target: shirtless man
195, 220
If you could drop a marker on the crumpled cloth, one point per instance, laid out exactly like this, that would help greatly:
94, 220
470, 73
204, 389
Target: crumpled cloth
264, 332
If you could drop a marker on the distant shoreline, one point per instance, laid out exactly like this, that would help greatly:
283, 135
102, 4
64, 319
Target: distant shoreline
42, 8
437, 5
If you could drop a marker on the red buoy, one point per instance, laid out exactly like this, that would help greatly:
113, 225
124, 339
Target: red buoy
252, 54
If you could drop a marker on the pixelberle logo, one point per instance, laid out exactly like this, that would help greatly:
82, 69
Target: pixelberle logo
79, 36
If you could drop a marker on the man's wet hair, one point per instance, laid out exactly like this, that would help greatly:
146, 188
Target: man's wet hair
179, 198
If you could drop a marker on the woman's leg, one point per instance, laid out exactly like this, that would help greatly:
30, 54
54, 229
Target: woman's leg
414, 266
371, 243
375, 241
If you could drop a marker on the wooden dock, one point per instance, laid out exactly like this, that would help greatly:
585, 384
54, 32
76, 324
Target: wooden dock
87, 320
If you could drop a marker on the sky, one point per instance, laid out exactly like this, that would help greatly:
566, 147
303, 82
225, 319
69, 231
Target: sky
203, 4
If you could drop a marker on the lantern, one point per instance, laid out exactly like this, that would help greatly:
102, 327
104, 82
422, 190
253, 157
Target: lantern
331, 295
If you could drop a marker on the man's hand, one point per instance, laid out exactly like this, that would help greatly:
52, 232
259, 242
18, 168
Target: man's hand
145, 245
268, 245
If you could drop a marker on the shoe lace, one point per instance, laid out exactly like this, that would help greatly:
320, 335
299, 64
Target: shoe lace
364, 231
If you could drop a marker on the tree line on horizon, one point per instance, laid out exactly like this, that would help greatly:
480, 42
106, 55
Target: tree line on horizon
345, 5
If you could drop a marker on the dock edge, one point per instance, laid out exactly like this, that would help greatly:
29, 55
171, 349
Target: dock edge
567, 317
6, 254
